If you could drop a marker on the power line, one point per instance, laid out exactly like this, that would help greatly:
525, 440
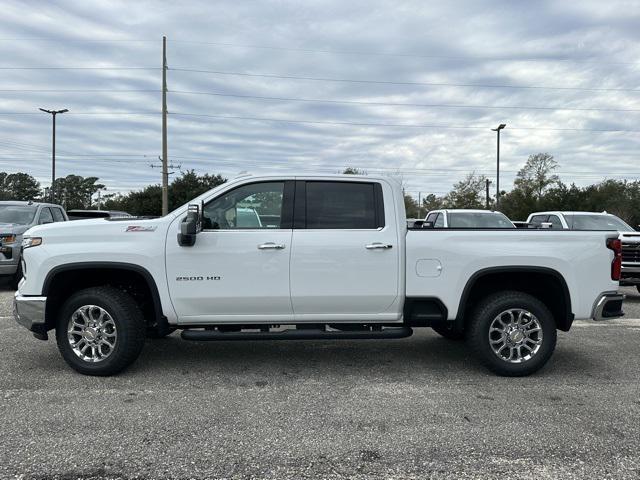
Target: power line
411, 55
80, 68
392, 104
86, 113
76, 90
394, 125
388, 82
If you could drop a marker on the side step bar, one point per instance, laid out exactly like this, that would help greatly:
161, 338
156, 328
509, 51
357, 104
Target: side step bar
297, 334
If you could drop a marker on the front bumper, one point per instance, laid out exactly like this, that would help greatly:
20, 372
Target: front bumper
30, 312
608, 306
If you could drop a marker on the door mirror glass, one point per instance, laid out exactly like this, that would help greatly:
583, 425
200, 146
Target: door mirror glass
190, 226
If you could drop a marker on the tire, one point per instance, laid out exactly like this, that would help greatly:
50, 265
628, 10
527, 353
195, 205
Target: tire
15, 279
121, 324
448, 333
638, 288
537, 321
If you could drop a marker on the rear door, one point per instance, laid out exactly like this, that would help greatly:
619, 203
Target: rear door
345, 252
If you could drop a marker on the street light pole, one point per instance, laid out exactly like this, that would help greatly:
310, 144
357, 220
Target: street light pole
53, 150
497, 130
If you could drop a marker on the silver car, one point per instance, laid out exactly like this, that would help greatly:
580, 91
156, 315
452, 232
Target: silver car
15, 219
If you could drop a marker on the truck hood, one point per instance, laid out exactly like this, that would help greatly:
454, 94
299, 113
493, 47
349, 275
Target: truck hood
12, 229
630, 237
98, 227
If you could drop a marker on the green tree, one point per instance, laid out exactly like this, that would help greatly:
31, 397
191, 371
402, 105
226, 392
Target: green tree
74, 191
431, 202
18, 186
411, 206
354, 171
537, 175
467, 193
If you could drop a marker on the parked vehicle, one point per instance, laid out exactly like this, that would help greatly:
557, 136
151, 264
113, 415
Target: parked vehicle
340, 263
84, 214
17, 217
520, 224
458, 218
599, 221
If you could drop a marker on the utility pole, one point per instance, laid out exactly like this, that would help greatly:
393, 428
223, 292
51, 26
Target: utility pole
497, 130
165, 172
419, 204
53, 150
488, 182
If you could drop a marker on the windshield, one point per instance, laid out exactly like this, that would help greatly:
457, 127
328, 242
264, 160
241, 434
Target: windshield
597, 222
17, 214
479, 220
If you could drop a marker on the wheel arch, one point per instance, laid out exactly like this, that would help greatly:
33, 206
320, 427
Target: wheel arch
545, 283
63, 280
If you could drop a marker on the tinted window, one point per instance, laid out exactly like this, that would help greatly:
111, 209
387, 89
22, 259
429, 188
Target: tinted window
555, 221
538, 219
439, 223
57, 214
340, 205
597, 222
257, 205
478, 220
432, 217
45, 216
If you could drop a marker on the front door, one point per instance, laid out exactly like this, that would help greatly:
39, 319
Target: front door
238, 269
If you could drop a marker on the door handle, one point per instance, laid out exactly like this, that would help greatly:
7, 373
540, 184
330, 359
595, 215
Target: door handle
378, 245
270, 246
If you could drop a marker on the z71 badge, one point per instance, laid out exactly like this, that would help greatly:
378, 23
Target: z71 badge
139, 228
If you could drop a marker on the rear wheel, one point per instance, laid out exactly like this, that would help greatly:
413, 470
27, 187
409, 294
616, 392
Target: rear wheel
512, 333
448, 333
100, 331
15, 279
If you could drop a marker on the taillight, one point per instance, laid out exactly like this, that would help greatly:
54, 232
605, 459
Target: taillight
616, 266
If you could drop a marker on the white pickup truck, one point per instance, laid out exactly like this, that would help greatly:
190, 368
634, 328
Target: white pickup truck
330, 258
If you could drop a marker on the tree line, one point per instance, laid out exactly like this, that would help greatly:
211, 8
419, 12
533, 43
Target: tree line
537, 187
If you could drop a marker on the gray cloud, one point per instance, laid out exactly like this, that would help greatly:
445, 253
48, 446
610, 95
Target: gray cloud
553, 44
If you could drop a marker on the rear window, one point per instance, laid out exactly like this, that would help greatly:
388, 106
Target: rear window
478, 220
597, 222
341, 205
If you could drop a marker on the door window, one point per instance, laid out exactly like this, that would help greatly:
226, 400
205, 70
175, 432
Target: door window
57, 214
537, 220
45, 216
439, 223
432, 217
555, 221
341, 205
252, 206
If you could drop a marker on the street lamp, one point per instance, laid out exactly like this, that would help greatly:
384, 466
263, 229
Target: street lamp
497, 130
53, 150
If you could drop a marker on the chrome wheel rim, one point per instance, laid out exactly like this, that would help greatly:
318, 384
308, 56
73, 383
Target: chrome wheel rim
92, 333
515, 335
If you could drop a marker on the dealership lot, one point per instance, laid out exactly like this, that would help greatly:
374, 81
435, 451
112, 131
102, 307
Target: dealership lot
408, 408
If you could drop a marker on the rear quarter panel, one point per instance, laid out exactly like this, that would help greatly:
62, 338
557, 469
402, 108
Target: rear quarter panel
582, 259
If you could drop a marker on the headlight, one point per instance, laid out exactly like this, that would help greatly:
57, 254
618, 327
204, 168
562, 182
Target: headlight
8, 238
29, 242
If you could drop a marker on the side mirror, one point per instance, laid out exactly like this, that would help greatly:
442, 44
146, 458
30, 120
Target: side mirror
546, 225
190, 227
427, 225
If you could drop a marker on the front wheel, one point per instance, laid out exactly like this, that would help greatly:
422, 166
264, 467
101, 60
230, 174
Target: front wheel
512, 333
100, 331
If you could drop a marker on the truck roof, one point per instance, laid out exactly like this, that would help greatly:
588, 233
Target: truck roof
568, 212
27, 203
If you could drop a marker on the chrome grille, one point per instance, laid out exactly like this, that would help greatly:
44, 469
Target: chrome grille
631, 253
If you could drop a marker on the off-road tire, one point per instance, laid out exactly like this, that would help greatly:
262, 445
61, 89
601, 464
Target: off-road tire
448, 333
482, 318
130, 328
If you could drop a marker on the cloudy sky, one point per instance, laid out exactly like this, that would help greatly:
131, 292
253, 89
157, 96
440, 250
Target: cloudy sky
410, 88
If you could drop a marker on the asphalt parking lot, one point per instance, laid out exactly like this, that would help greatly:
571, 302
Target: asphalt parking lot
411, 408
